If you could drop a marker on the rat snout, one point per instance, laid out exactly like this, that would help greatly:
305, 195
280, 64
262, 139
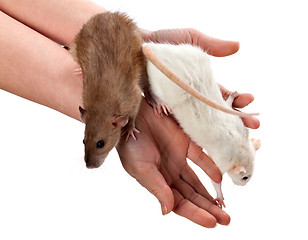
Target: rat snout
90, 165
93, 162
89, 161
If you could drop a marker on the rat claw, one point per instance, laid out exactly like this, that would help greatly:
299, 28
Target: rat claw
219, 202
157, 111
169, 110
133, 136
160, 108
164, 109
131, 132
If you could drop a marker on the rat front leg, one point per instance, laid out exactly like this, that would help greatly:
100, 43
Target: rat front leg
231, 97
130, 129
158, 105
219, 199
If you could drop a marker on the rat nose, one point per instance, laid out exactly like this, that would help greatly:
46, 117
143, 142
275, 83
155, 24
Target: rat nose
90, 164
88, 161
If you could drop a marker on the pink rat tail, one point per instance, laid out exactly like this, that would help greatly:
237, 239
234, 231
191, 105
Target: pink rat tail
152, 57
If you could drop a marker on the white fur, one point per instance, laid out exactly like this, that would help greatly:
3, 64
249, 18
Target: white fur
223, 135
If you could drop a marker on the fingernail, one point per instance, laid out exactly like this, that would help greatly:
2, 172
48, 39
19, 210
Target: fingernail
164, 209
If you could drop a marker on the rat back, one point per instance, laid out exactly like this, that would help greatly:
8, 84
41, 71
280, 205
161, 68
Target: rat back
219, 133
108, 50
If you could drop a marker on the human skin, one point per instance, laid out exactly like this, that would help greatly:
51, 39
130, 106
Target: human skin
157, 160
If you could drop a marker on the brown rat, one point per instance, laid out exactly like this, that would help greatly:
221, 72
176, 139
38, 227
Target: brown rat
108, 49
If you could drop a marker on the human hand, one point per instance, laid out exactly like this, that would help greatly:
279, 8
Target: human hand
214, 47
157, 160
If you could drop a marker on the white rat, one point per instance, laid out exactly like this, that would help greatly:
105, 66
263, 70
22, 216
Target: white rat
223, 135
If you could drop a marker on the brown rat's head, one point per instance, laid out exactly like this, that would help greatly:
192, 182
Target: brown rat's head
101, 135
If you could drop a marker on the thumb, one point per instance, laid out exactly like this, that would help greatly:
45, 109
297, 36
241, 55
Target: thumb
150, 178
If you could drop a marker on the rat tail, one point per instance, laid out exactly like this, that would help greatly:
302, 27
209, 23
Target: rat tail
152, 57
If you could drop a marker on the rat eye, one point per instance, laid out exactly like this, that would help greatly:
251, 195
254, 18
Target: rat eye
245, 178
83, 141
100, 144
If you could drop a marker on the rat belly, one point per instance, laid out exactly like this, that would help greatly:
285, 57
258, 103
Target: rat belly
203, 131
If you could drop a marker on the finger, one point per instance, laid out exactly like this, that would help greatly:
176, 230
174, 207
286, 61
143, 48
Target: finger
149, 177
251, 122
212, 46
195, 154
243, 100
187, 209
189, 176
200, 201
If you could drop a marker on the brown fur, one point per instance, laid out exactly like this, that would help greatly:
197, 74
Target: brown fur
109, 51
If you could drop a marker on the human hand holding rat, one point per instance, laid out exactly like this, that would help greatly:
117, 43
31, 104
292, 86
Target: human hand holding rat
60, 21
158, 159
214, 47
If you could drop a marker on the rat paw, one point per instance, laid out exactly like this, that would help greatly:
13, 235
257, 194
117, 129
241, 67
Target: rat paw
160, 108
234, 94
131, 133
231, 97
220, 202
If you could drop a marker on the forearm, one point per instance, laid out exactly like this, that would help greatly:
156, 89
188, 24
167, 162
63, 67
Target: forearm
59, 20
34, 67
31, 65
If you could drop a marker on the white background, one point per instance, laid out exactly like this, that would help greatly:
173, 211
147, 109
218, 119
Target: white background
47, 193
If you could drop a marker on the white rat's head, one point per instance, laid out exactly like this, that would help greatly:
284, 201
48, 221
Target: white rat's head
242, 169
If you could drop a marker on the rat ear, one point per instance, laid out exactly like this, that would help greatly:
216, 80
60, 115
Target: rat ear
82, 114
256, 143
238, 169
120, 121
